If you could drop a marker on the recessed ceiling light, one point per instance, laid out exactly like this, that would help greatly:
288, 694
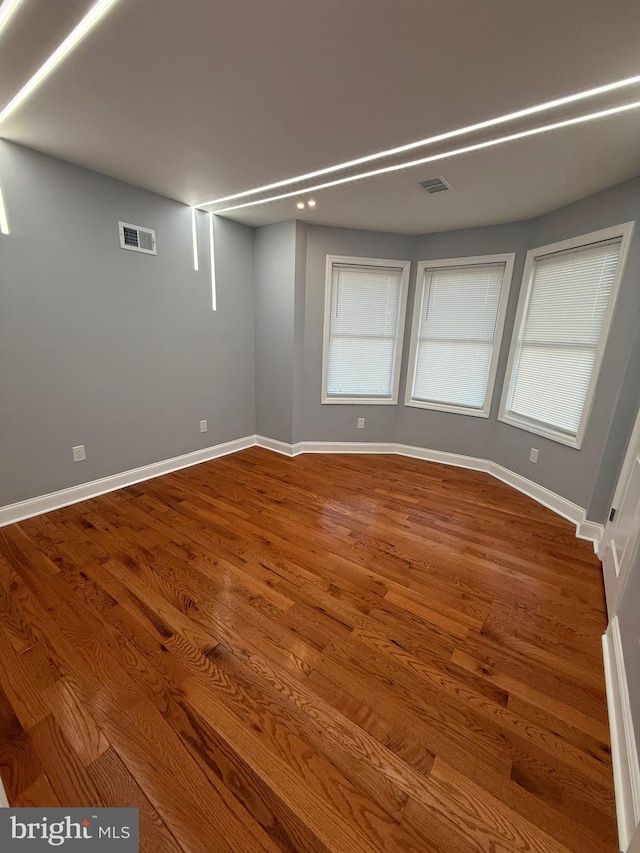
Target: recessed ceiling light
311, 202
300, 205
451, 134
500, 140
93, 17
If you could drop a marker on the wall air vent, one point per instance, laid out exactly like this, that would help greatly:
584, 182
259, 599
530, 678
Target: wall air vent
137, 239
435, 185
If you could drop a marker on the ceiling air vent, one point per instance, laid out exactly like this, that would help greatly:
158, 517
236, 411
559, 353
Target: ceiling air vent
137, 239
435, 185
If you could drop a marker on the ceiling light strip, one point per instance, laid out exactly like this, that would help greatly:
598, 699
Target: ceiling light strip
4, 220
6, 12
212, 254
194, 238
442, 137
90, 20
457, 151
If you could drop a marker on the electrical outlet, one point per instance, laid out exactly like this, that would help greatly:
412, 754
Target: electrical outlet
533, 456
79, 454
360, 423
203, 426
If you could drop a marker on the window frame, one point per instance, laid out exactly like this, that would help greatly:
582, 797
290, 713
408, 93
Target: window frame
508, 259
624, 232
405, 266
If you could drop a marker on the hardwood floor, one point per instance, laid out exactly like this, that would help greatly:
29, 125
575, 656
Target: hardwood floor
327, 653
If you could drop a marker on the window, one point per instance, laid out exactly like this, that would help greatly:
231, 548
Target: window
365, 306
561, 329
458, 317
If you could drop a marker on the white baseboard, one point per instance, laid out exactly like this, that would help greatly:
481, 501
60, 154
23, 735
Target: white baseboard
441, 456
592, 531
561, 506
275, 445
345, 447
626, 770
56, 500
36, 506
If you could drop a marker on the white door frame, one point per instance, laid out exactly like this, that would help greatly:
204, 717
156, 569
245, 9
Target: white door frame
614, 595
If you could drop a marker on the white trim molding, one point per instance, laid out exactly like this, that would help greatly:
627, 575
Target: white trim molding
56, 500
344, 447
624, 754
592, 531
276, 445
65, 497
441, 456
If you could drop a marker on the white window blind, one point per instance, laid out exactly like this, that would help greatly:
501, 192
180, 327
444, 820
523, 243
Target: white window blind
365, 309
456, 335
560, 335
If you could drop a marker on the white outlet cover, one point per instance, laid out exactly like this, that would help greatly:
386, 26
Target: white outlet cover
79, 454
203, 426
360, 423
533, 456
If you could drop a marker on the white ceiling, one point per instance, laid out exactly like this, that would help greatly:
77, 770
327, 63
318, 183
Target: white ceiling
202, 98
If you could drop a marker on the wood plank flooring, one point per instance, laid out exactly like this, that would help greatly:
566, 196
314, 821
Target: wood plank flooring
327, 653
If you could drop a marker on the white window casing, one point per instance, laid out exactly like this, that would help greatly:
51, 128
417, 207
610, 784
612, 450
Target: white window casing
365, 307
458, 319
568, 296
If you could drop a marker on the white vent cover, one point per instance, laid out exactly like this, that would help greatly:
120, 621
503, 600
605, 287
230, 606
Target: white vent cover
137, 239
435, 185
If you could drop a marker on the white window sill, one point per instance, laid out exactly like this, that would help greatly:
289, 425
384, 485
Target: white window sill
444, 407
360, 401
574, 441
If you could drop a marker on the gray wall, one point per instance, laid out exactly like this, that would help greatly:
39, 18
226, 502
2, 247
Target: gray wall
586, 477
298, 341
275, 283
115, 350
453, 433
330, 422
